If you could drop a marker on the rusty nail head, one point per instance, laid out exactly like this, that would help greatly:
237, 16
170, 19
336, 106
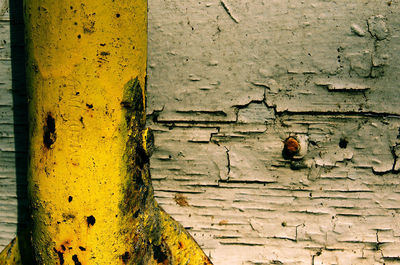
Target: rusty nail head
291, 147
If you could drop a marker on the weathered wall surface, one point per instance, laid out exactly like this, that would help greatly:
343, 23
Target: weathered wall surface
13, 126
229, 81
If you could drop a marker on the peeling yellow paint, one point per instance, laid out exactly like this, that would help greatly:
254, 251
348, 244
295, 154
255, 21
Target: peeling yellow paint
185, 250
77, 78
11, 253
89, 183
18, 251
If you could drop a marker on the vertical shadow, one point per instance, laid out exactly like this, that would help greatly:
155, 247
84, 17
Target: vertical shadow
20, 113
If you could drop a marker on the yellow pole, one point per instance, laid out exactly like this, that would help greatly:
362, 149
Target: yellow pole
89, 183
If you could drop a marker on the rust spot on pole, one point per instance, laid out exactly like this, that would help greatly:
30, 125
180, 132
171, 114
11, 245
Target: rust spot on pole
125, 257
60, 256
49, 131
90, 220
76, 260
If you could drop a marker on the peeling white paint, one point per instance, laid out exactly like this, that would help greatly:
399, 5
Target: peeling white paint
229, 81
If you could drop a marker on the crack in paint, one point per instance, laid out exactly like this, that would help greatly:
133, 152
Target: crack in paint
227, 10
